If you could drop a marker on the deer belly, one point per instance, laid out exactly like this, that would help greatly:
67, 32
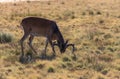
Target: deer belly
36, 34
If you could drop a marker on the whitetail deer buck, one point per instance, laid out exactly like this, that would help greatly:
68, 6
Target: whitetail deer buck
35, 26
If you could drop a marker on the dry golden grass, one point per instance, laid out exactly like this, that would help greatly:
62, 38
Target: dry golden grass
92, 25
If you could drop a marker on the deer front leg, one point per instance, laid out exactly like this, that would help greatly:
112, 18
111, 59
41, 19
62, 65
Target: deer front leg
46, 46
44, 51
52, 45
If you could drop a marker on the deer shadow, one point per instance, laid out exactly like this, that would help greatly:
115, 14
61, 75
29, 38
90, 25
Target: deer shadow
29, 57
42, 56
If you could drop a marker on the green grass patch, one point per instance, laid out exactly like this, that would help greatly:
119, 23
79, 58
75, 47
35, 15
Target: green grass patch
5, 38
51, 70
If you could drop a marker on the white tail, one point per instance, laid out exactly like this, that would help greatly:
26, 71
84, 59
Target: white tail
35, 26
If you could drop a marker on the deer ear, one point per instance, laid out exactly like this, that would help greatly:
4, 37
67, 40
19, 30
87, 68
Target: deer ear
66, 42
55, 44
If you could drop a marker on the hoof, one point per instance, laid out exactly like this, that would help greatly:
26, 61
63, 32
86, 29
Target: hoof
54, 55
26, 59
74, 58
22, 59
43, 56
29, 57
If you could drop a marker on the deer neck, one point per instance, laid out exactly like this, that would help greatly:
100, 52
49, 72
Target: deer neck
60, 37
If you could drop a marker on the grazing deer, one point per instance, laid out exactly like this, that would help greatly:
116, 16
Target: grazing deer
35, 26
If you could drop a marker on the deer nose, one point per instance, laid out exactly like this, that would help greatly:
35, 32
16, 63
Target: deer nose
62, 51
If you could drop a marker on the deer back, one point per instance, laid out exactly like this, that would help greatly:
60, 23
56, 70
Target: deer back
40, 27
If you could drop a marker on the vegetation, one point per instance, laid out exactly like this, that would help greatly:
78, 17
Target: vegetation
5, 38
92, 25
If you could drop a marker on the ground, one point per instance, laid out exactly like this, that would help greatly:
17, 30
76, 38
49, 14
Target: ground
92, 25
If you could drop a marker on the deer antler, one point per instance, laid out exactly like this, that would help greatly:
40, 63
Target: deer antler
73, 46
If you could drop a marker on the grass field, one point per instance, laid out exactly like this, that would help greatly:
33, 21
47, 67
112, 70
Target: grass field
92, 25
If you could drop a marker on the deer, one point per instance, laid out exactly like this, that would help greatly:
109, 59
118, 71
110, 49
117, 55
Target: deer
36, 26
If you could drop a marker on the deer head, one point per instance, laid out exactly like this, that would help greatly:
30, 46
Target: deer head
64, 46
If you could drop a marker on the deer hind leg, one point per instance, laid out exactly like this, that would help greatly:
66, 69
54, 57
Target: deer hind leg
30, 43
22, 48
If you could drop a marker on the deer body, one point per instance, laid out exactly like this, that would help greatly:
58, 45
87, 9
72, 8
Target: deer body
35, 26
40, 27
